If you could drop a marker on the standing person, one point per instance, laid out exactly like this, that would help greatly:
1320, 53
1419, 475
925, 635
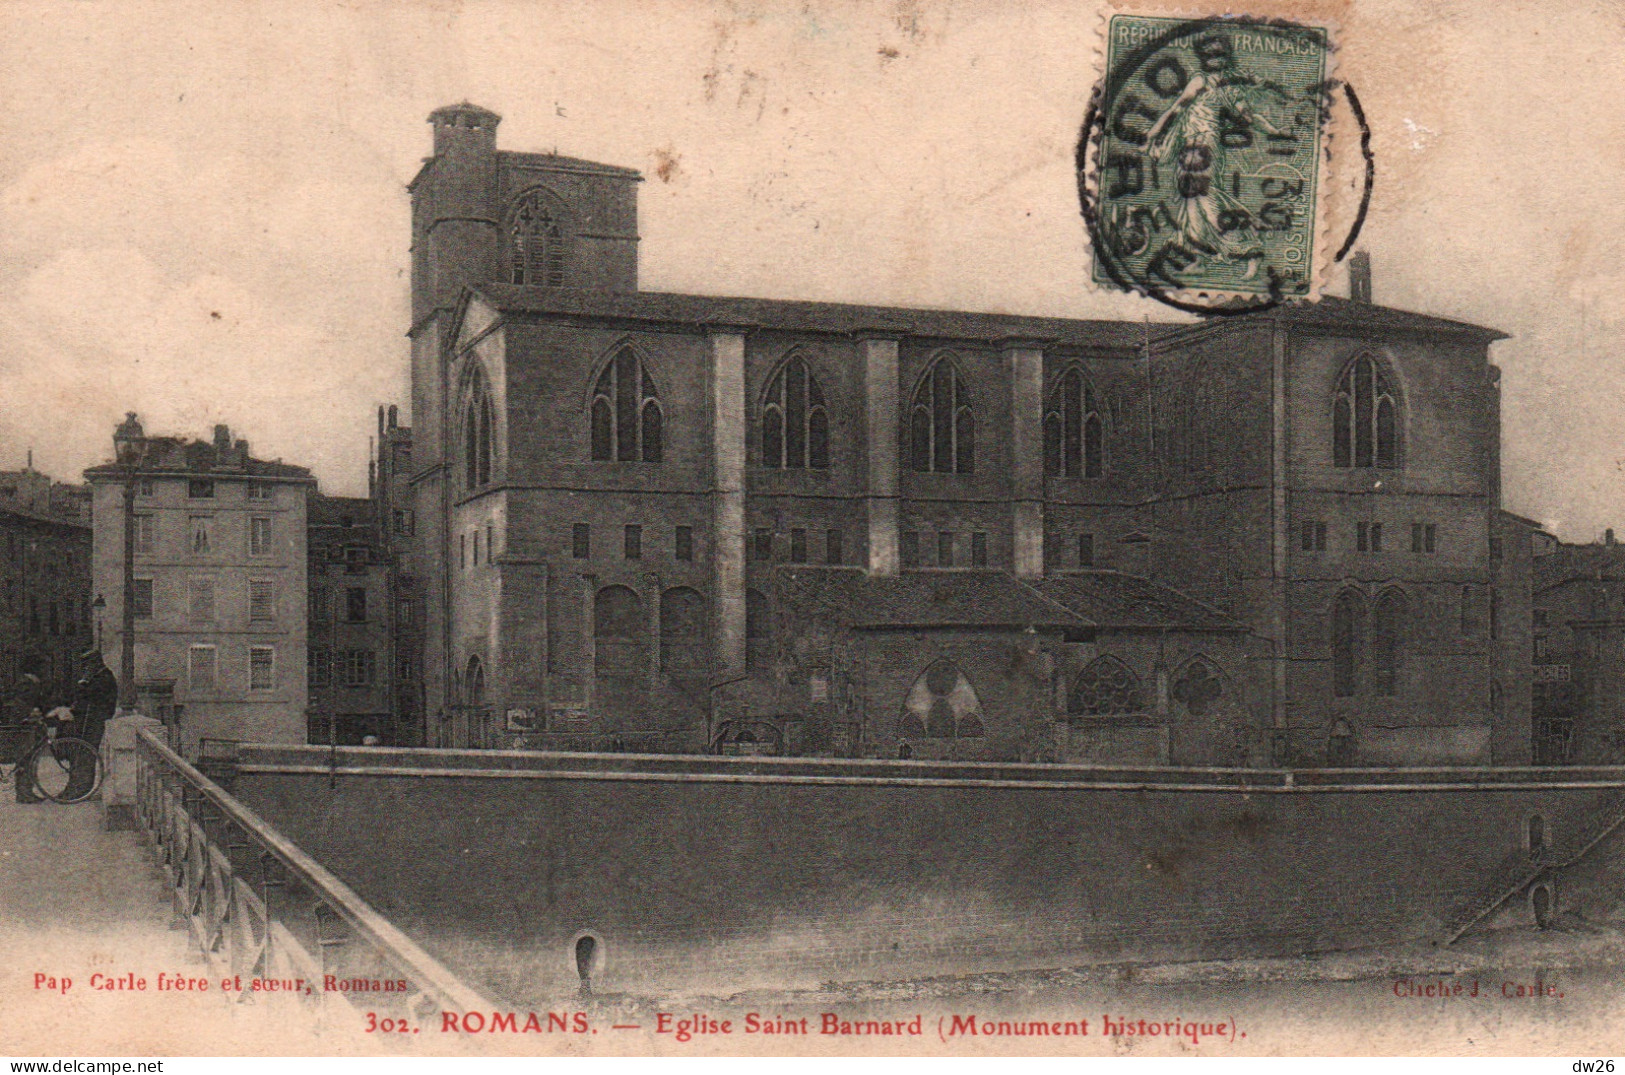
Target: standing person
95, 697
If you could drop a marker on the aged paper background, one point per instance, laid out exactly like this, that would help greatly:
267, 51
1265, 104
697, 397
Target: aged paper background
203, 217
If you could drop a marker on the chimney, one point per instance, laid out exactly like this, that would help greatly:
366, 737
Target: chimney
1360, 277
222, 438
1608, 537
242, 450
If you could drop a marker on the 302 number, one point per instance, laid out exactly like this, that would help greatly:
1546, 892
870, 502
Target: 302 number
387, 1025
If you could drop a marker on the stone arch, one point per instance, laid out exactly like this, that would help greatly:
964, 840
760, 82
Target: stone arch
942, 703
1105, 686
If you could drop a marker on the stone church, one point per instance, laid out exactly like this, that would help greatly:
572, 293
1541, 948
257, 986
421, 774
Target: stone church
677, 523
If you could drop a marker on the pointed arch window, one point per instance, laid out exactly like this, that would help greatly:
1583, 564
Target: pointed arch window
536, 242
627, 423
474, 682
478, 420
942, 704
1365, 418
1347, 613
795, 420
1388, 628
1106, 686
942, 425
1074, 434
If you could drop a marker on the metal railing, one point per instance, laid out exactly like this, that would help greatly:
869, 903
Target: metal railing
260, 908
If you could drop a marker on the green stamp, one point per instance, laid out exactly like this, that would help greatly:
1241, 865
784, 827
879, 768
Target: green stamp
1200, 164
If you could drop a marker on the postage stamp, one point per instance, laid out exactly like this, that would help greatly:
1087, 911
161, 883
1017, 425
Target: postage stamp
1202, 161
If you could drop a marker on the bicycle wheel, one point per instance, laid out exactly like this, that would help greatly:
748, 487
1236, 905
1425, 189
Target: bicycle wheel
67, 770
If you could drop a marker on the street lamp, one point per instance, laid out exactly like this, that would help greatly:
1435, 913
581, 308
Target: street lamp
100, 606
129, 446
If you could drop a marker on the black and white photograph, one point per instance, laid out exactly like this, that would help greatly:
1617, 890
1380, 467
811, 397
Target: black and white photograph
784, 528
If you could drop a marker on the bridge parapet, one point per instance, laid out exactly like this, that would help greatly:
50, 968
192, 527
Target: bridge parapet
258, 907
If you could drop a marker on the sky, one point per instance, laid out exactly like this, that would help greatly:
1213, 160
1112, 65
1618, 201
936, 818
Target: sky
203, 213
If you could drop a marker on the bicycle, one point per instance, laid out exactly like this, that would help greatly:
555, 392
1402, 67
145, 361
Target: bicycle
49, 760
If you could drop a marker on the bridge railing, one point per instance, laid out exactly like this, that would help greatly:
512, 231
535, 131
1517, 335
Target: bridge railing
259, 908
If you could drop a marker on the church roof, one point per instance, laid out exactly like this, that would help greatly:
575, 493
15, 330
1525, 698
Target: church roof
1330, 312
994, 600
799, 316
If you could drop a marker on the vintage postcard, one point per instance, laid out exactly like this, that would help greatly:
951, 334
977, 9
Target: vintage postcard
868, 527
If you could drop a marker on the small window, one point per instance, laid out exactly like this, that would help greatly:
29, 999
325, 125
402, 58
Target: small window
319, 662
200, 668
978, 550
202, 600
200, 489
634, 542
1376, 537
1086, 550
462, 551
683, 543
259, 491
1430, 538
490, 542
261, 601
144, 487
762, 545
945, 548
405, 521
1368, 537
261, 668
798, 546
146, 532
476, 548
355, 604
360, 667
911, 548
259, 535
832, 547
202, 534
1320, 537
581, 541
143, 599
405, 611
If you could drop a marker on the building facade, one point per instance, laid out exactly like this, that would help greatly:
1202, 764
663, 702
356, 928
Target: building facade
220, 583
685, 522
46, 614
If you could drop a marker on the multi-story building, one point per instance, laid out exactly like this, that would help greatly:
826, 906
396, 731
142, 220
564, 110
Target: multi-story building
1578, 653
219, 590
691, 522
46, 614
363, 634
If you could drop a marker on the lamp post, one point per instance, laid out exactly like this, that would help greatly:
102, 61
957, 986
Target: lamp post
129, 444
99, 606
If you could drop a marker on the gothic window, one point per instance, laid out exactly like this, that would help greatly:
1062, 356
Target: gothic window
795, 421
1105, 686
942, 426
1074, 436
1346, 616
1365, 417
1388, 628
682, 633
1198, 687
942, 704
478, 418
627, 424
535, 242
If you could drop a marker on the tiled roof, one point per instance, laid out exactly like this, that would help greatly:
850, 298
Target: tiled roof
994, 599
796, 316
324, 510
1335, 313
1112, 599
22, 512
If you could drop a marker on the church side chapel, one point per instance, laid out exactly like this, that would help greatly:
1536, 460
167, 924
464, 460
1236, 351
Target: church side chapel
667, 522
